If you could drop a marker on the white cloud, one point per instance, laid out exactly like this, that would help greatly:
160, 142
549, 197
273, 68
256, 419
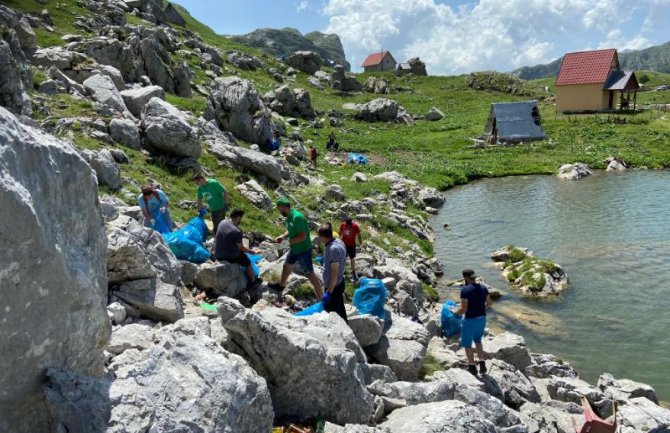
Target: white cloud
302, 6
491, 34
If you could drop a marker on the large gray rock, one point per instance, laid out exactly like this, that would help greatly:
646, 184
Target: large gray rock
59, 319
106, 169
239, 109
378, 110
571, 389
367, 328
351, 428
434, 114
223, 278
403, 347
450, 416
406, 280
15, 74
622, 390
187, 382
574, 171
57, 57
516, 387
125, 132
639, 414
167, 130
136, 99
151, 298
20, 24
508, 347
132, 336
287, 102
256, 195
375, 372
104, 92
252, 160
552, 417
547, 365
431, 197
328, 383
340, 81
306, 61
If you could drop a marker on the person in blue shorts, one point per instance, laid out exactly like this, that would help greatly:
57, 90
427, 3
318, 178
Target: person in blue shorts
475, 299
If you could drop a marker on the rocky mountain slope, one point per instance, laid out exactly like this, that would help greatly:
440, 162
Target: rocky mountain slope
282, 42
656, 58
102, 97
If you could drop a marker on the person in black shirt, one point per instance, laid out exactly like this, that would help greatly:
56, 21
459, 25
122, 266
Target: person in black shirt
228, 245
475, 299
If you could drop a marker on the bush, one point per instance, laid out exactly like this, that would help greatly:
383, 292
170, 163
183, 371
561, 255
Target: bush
430, 293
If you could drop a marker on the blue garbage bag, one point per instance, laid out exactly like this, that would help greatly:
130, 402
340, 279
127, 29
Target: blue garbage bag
370, 297
187, 242
314, 309
357, 158
451, 323
161, 226
254, 259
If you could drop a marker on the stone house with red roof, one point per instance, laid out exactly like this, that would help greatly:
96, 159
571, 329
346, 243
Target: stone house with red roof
592, 80
379, 62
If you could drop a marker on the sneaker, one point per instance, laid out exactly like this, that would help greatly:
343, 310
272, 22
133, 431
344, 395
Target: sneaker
482, 367
472, 369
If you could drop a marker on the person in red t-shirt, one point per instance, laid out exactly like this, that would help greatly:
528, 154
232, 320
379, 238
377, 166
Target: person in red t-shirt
313, 155
349, 233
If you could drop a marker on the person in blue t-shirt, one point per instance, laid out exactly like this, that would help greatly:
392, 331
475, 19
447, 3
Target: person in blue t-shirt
153, 202
475, 299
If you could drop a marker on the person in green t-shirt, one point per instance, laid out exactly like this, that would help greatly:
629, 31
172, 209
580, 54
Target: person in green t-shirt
216, 197
300, 250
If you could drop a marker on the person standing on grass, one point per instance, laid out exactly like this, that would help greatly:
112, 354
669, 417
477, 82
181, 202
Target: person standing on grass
313, 155
300, 251
334, 260
215, 196
349, 233
475, 299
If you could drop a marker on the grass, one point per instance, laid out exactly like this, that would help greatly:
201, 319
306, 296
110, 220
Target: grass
430, 366
430, 293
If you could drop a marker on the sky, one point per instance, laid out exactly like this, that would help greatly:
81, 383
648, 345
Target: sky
453, 36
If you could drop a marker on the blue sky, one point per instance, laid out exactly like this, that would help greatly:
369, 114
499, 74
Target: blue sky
456, 36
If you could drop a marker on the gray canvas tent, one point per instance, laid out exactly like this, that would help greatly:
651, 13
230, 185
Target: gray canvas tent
513, 122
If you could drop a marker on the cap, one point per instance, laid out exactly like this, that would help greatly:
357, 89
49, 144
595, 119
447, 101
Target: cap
197, 176
469, 273
283, 201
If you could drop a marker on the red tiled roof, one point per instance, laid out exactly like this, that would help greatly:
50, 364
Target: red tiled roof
585, 67
374, 59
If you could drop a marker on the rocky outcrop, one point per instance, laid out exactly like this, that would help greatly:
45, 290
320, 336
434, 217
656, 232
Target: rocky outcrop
256, 195
106, 169
417, 66
616, 164
244, 61
125, 132
510, 348
142, 271
287, 102
340, 81
252, 160
622, 390
574, 171
136, 99
532, 275
238, 108
222, 278
167, 130
322, 345
375, 85
378, 110
15, 73
434, 114
58, 319
306, 61
104, 92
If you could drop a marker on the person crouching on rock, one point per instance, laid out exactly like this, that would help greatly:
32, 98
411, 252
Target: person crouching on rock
475, 299
334, 260
153, 202
228, 246
300, 250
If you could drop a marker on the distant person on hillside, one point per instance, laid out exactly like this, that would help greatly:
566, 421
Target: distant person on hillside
154, 204
350, 232
300, 250
331, 144
475, 299
215, 198
334, 260
313, 155
228, 245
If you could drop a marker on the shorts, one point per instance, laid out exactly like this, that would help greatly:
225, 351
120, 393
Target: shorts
303, 260
472, 331
242, 260
351, 252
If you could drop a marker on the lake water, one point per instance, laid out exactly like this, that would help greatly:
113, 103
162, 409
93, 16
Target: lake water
611, 234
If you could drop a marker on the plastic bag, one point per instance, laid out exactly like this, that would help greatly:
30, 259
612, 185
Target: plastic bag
186, 243
357, 158
160, 225
254, 259
451, 323
370, 297
314, 309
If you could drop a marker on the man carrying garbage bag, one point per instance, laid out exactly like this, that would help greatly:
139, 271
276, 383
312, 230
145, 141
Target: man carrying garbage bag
475, 299
334, 259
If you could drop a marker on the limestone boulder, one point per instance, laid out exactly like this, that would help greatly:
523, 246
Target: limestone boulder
377, 372
547, 365
64, 287
328, 383
103, 91
378, 110
252, 160
306, 61
167, 130
106, 169
451, 416
570, 389
151, 298
552, 417
405, 278
431, 197
367, 328
622, 390
517, 389
222, 278
351, 428
132, 336
136, 99
434, 114
287, 102
255, 193
15, 74
640, 414
574, 171
187, 382
508, 347
238, 108
125, 132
